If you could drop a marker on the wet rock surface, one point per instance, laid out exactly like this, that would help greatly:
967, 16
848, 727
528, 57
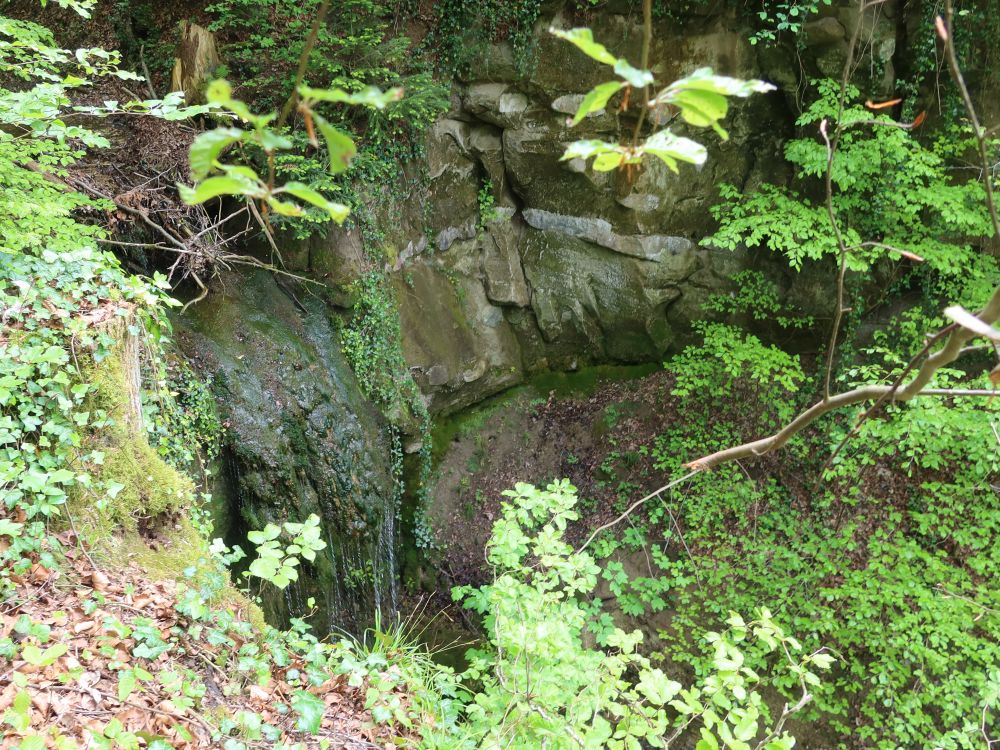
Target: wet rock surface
300, 439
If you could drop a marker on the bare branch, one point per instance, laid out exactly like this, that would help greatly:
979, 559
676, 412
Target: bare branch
916, 387
304, 62
628, 511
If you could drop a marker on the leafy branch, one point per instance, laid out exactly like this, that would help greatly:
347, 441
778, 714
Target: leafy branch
966, 327
701, 99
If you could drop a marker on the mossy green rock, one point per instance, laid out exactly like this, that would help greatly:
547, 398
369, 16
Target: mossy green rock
300, 439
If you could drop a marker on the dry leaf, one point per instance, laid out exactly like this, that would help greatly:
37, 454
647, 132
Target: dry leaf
99, 581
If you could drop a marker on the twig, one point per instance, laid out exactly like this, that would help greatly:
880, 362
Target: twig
266, 228
677, 528
79, 540
635, 505
145, 70
831, 150
303, 62
647, 39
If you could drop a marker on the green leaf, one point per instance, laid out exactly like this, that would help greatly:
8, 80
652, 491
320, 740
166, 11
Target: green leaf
284, 208
657, 688
34, 655
701, 96
635, 77
268, 533
206, 149
672, 148
821, 660
339, 145
126, 683
707, 741
219, 92
309, 709
215, 187
32, 742
705, 80
338, 211
584, 41
607, 161
272, 141
702, 108
371, 96
747, 728
596, 99
589, 148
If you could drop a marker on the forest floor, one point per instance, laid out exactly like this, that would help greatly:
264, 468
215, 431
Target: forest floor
107, 657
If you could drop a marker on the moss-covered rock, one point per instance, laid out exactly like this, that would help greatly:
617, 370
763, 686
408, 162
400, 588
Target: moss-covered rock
301, 439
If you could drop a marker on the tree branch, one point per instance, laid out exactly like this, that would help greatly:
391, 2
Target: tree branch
300, 73
916, 387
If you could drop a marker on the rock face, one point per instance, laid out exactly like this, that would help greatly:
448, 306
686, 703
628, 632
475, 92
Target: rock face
562, 265
509, 260
300, 439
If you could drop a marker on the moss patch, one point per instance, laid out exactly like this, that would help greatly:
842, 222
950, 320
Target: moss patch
147, 521
145, 485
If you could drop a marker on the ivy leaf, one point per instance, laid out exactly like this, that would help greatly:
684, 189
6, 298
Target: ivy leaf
584, 41
309, 709
596, 99
206, 149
